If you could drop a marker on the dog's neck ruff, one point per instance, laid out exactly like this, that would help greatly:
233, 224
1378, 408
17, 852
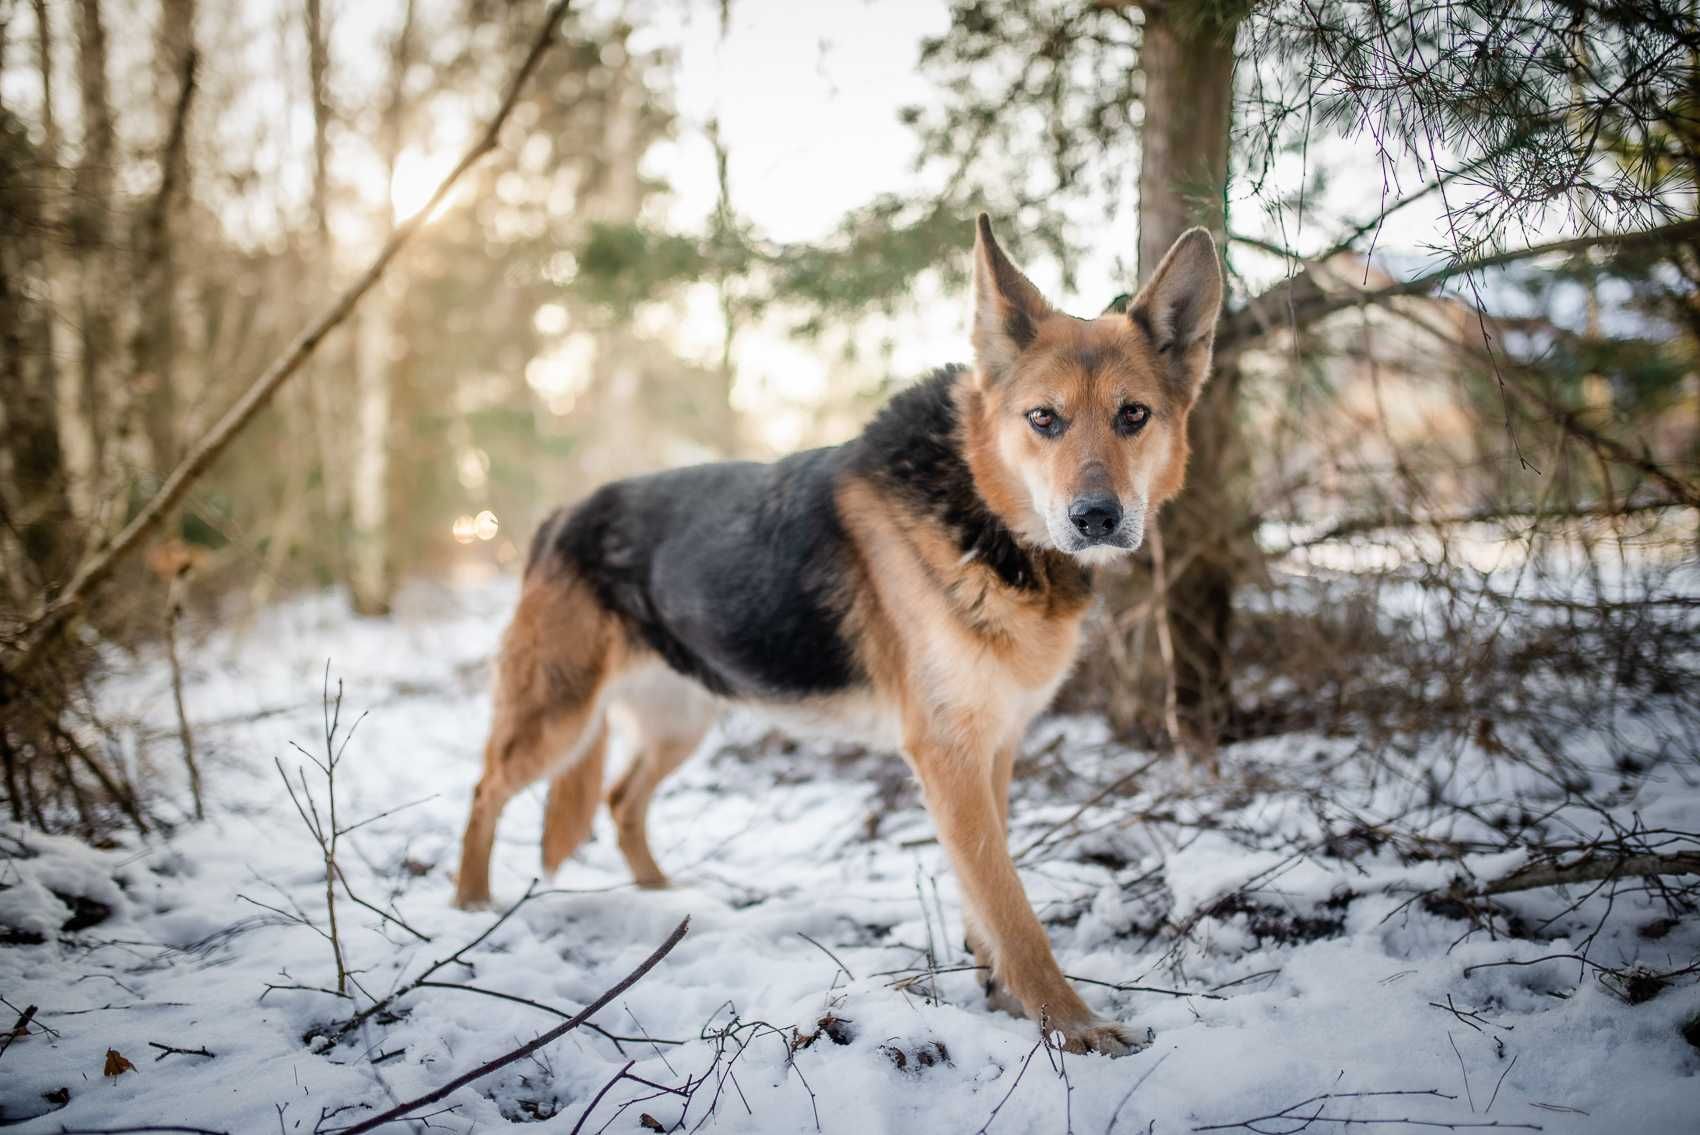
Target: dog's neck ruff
914, 449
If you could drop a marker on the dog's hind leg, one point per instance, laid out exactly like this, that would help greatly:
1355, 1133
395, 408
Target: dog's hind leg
629, 801
573, 796
665, 717
556, 659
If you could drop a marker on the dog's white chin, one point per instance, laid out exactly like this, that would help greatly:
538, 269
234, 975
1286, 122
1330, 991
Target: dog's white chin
1102, 555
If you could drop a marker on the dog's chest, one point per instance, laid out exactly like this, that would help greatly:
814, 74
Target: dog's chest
1001, 675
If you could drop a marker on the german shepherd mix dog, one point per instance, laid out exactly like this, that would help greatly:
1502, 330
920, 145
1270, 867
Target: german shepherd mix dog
920, 588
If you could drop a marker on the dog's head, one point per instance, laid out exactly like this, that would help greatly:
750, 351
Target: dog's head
1076, 428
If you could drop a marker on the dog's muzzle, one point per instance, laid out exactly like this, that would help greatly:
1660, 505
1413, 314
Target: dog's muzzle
1097, 528
1096, 517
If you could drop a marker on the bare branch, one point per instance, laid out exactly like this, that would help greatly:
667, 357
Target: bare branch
56, 613
1300, 301
401, 1111
1591, 869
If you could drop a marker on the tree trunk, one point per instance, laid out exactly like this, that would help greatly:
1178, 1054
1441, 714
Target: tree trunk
370, 581
154, 333
320, 392
39, 504
17, 208
73, 415
114, 403
1188, 60
310, 440
371, 574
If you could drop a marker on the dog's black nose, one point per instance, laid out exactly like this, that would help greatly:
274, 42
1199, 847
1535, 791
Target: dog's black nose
1095, 517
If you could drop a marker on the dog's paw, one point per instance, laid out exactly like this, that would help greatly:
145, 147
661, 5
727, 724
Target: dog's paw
1000, 1000
473, 902
1106, 1037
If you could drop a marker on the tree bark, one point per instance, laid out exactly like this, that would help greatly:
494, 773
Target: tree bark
320, 394
154, 337
371, 571
310, 443
13, 222
112, 401
1188, 60
41, 532
73, 416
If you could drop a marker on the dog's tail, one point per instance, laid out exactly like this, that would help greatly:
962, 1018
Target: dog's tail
574, 794
545, 536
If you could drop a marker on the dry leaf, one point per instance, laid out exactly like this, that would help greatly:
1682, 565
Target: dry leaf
116, 1064
649, 1123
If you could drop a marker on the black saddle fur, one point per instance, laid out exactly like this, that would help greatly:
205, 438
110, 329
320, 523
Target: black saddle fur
736, 573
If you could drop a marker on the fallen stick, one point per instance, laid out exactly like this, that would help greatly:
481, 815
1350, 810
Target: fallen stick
401, 1111
172, 1050
1592, 869
55, 613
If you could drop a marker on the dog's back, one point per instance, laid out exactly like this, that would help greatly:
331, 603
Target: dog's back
732, 572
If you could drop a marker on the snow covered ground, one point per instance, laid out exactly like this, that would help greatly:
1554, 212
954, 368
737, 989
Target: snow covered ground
1271, 937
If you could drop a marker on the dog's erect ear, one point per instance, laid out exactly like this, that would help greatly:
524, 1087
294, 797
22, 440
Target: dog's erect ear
1007, 308
1177, 310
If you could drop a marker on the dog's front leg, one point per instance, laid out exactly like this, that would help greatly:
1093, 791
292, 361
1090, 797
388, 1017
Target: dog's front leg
997, 997
958, 784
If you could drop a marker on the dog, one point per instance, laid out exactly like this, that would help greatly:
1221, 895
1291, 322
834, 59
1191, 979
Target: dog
920, 588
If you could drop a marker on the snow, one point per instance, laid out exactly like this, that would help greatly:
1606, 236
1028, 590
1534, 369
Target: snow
1325, 976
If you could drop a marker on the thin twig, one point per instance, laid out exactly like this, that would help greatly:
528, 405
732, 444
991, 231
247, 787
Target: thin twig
828, 953
172, 1050
1497, 1083
401, 1111
174, 612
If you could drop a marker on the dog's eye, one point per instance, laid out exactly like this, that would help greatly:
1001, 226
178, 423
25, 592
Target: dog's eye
1045, 421
1131, 418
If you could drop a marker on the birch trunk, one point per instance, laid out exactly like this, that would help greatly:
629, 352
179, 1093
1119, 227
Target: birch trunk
73, 415
112, 402
369, 569
308, 436
371, 575
333, 475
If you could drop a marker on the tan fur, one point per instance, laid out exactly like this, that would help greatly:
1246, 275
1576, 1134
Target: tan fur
557, 656
571, 804
629, 801
959, 662
969, 664
663, 717
1085, 370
